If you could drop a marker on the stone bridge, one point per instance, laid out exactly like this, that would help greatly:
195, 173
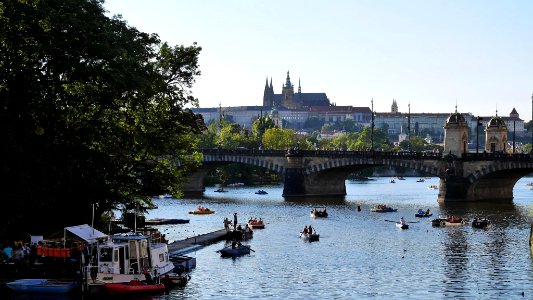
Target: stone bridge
471, 177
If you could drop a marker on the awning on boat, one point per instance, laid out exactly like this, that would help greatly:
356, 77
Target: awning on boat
85, 232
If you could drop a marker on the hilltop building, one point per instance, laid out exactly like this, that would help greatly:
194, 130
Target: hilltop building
292, 109
291, 100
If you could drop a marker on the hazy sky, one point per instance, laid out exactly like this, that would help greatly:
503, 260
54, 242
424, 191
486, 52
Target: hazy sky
431, 54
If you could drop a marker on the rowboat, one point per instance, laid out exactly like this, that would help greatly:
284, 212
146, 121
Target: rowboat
402, 226
481, 223
234, 251
175, 280
382, 208
43, 285
310, 237
134, 287
319, 212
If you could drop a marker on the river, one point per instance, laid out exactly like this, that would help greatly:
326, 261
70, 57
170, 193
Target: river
360, 255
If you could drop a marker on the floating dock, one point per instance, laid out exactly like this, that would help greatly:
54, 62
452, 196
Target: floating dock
194, 243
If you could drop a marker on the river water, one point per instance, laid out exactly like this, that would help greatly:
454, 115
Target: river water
361, 254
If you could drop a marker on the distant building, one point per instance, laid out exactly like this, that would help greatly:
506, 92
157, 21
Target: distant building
291, 100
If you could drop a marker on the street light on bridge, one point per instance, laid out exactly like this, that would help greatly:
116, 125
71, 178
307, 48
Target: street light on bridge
409, 127
372, 127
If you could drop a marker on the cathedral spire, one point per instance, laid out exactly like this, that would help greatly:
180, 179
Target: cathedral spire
299, 86
288, 80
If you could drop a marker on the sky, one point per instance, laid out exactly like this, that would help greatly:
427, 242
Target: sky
432, 55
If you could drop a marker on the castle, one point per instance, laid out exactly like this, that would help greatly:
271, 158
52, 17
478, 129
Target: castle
289, 99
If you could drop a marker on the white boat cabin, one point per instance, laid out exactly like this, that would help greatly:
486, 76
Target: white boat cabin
125, 257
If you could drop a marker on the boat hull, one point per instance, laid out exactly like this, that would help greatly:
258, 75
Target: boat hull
402, 226
481, 224
234, 252
52, 286
313, 237
204, 212
134, 288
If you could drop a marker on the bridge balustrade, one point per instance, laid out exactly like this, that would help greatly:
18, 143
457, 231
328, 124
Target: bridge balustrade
326, 153
496, 156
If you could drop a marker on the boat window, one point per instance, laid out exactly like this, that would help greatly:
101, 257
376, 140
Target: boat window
161, 257
115, 253
144, 248
105, 253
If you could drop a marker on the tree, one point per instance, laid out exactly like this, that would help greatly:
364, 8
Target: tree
278, 138
93, 112
313, 123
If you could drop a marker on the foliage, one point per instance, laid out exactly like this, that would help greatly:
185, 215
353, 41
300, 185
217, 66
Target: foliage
93, 111
313, 123
278, 138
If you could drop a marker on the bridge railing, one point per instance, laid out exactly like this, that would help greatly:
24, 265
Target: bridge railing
496, 156
326, 153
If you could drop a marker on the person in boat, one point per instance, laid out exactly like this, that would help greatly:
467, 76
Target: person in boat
428, 212
453, 219
235, 221
420, 211
148, 277
306, 230
402, 221
310, 229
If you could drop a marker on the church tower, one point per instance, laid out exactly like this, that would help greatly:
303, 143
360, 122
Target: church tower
287, 94
394, 107
268, 95
496, 135
456, 135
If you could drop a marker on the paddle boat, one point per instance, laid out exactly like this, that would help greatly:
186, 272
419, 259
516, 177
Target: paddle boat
256, 224
134, 287
43, 286
235, 250
448, 221
423, 214
481, 223
438, 222
382, 208
319, 212
454, 221
261, 192
201, 211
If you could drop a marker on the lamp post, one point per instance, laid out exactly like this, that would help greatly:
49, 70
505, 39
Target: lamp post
409, 127
372, 127
478, 123
514, 132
